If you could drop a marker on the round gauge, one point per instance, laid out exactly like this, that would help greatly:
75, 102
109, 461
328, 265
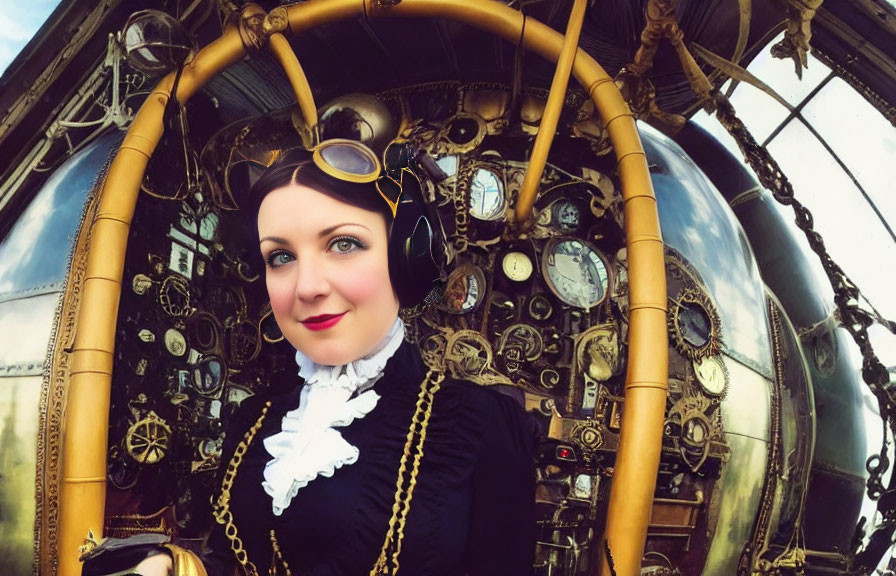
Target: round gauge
486, 195
711, 374
567, 215
576, 272
517, 266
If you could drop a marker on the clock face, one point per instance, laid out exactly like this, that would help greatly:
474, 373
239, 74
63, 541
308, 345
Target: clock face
517, 266
486, 195
711, 374
575, 272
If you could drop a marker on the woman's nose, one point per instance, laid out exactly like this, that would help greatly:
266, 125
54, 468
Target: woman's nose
311, 282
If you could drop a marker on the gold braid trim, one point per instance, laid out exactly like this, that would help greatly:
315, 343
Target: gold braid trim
222, 512
404, 489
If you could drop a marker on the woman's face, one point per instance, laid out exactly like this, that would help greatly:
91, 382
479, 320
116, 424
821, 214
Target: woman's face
327, 274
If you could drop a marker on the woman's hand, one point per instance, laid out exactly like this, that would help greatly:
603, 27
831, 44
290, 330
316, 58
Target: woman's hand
157, 565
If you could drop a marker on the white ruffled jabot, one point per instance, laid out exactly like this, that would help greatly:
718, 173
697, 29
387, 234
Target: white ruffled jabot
309, 445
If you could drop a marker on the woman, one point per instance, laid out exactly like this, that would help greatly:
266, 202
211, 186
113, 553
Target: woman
375, 464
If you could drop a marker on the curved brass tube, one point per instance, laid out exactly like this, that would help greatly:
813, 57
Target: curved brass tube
83, 490
551, 115
279, 45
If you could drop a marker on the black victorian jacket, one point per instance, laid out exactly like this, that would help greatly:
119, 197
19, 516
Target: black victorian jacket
472, 509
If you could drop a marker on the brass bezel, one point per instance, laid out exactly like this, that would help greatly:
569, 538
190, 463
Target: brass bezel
342, 174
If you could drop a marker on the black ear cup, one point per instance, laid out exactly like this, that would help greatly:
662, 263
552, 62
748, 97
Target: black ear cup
412, 265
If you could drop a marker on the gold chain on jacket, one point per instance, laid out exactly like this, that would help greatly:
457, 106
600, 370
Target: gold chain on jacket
387, 562
221, 511
407, 481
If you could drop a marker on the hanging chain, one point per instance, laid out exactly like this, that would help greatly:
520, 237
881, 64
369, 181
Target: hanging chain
854, 318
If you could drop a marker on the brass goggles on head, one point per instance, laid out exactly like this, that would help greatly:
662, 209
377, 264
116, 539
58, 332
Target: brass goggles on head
353, 161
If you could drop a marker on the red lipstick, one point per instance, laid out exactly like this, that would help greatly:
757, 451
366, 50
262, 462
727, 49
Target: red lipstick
322, 322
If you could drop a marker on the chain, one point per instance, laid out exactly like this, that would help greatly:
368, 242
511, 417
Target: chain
277, 556
855, 319
221, 511
387, 564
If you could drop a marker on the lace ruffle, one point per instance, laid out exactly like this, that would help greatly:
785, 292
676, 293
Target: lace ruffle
308, 444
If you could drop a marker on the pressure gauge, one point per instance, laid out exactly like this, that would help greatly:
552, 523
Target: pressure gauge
517, 266
486, 195
576, 272
711, 374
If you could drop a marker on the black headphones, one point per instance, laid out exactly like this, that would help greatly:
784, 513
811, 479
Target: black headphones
412, 247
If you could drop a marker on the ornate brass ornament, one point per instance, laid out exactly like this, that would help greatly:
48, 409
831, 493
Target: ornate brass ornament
175, 342
597, 352
275, 21
588, 438
468, 356
174, 297
693, 432
147, 440
694, 325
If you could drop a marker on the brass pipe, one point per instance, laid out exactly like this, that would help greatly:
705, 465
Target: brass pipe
646, 379
551, 116
284, 54
85, 443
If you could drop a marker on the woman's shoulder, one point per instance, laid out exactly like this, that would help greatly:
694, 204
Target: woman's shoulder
498, 410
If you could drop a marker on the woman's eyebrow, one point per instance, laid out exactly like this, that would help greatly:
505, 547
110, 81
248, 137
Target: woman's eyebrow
331, 229
275, 239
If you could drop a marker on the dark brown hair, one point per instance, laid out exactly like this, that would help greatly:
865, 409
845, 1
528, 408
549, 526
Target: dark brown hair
295, 166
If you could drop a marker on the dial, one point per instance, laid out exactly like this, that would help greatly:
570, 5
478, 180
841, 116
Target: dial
517, 266
711, 374
575, 272
486, 195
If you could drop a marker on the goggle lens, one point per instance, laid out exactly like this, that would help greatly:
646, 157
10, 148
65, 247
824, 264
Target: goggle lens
349, 159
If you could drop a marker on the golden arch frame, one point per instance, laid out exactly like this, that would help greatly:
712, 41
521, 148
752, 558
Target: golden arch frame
86, 420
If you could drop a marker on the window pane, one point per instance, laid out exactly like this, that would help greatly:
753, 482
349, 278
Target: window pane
861, 137
780, 74
853, 235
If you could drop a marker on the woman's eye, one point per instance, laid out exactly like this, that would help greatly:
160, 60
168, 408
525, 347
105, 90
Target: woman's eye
277, 259
345, 245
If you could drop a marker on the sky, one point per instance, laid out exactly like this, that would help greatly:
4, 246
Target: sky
18, 23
